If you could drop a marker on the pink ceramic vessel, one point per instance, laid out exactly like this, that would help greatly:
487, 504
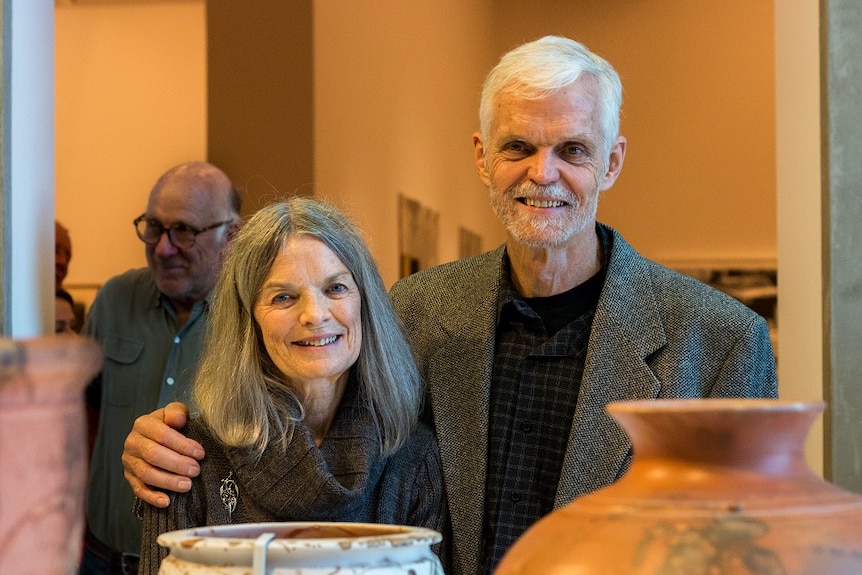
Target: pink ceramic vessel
43, 453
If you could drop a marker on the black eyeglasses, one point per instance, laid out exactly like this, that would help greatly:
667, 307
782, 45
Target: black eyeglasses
182, 236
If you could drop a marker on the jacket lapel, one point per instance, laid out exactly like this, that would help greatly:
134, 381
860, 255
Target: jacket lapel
626, 330
460, 375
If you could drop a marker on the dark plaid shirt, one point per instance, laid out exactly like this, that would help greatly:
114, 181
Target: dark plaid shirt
538, 364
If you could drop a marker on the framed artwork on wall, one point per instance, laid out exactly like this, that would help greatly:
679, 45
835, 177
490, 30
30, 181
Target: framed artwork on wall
418, 231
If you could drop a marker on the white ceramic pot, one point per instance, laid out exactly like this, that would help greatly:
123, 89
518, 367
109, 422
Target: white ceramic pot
301, 548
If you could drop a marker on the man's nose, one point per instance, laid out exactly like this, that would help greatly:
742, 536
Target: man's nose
164, 247
544, 167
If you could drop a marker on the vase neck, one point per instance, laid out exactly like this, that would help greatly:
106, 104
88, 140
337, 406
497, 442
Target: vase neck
763, 437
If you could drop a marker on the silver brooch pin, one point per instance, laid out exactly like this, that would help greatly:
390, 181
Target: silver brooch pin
229, 492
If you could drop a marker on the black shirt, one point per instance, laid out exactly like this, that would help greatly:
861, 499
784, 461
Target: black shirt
539, 360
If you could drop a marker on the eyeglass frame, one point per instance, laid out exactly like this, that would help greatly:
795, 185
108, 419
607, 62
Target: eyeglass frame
168, 229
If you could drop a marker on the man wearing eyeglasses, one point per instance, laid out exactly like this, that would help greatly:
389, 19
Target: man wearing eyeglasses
151, 324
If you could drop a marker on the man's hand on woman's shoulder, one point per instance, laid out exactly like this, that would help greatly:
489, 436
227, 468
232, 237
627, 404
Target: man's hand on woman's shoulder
158, 456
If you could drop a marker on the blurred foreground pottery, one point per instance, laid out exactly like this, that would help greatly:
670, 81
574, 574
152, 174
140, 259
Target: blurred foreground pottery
43, 452
716, 487
301, 548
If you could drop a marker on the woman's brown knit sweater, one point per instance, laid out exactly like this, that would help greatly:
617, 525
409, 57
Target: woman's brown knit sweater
345, 479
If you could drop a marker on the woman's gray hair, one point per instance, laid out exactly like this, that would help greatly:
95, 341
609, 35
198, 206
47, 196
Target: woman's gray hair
538, 69
237, 384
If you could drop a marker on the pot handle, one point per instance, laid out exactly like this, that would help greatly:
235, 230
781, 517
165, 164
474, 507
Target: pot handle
258, 561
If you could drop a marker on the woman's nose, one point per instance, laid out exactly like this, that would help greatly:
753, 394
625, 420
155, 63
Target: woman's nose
314, 310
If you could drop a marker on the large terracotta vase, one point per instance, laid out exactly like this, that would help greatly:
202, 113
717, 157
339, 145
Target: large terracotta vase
43, 452
301, 548
716, 487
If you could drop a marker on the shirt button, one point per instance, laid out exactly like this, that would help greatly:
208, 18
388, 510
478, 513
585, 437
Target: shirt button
177, 339
170, 380
515, 497
526, 427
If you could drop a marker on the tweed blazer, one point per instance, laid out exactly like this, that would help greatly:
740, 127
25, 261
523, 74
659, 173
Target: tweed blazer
656, 334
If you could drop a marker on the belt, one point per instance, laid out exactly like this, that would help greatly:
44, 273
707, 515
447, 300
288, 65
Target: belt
125, 563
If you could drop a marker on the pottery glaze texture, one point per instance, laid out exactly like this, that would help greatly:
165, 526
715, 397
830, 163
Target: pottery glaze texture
716, 487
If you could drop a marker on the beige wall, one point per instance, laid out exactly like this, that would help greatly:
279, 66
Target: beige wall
260, 87
395, 108
130, 98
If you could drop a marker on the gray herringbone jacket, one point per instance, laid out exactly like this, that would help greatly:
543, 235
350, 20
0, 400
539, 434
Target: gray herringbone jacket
656, 334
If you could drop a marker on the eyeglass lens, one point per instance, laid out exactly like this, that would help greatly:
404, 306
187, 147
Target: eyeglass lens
150, 231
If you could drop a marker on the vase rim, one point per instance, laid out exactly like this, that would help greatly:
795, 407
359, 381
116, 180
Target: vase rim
725, 405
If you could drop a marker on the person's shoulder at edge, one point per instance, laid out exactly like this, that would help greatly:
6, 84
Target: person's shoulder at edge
696, 313
124, 281
136, 281
673, 287
125, 289
458, 271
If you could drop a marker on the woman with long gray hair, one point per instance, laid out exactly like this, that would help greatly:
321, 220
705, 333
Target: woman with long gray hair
307, 396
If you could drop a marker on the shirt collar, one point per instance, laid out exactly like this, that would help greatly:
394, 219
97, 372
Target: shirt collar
509, 293
200, 307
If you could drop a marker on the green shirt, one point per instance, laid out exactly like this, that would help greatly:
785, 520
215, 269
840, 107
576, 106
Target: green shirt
149, 362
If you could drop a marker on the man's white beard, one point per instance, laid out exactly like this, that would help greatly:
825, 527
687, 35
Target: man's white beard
543, 230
